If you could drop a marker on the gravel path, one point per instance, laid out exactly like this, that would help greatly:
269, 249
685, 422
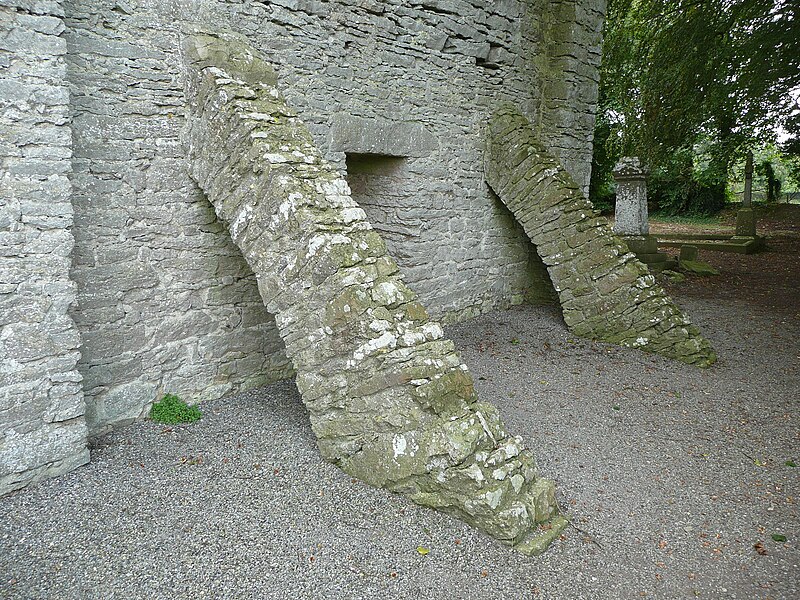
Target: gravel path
671, 475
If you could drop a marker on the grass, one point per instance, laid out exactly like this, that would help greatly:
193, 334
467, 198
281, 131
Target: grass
686, 219
171, 409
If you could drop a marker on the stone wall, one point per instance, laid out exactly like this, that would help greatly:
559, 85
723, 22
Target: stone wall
166, 303
42, 427
568, 65
395, 91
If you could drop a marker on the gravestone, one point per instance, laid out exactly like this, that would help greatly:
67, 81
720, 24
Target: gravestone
631, 214
745, 218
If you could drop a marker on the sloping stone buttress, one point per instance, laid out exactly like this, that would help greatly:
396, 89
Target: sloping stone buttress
606, 294
388, 397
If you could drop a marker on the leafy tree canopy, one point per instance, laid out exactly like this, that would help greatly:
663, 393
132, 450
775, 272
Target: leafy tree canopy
682, 77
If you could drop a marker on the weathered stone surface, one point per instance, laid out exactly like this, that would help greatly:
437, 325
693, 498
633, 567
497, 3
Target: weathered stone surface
630, 209
150, 255
605, 293
42, 427
746, 222
389, 398
631, 218
165, 301
380, 136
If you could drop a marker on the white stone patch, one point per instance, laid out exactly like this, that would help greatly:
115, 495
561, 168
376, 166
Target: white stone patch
317, 242
412, 338
432, 330
493, 498
325, 240
379, 325
257, 116
510, 448
275, 158
399, 445
387, 292
517, 481
387, 340
336, 191
353, 214
316, 336
241, 220
474, 472
287, 206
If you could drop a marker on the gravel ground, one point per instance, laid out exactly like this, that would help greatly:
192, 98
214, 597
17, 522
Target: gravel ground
676, 480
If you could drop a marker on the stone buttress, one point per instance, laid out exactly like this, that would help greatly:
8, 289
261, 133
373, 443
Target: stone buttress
388, 397
605, 292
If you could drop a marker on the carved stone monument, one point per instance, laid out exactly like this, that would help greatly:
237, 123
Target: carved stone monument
631, 214
745, 218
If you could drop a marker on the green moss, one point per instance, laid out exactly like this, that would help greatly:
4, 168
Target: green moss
172, 409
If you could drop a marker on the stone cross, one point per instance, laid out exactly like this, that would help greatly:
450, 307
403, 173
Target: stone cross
746, 218
747, 199
631, 209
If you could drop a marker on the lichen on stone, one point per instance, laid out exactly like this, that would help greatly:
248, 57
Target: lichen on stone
389, 398
606, 294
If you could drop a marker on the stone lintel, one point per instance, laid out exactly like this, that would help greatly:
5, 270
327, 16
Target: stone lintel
359, 135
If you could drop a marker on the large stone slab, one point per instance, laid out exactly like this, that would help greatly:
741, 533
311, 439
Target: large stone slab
385, 137
388, 396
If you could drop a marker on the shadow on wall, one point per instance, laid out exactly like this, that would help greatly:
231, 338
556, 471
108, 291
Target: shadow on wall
383, 186
540, 289
379, 183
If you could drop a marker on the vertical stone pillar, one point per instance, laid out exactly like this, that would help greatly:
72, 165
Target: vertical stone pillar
631, 207
631, 214
567, 59
745, 218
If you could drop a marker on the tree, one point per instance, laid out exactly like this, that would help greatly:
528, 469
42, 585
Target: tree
688, 85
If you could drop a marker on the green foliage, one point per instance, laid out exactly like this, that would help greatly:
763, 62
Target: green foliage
703, 78
172, 409
700, 220
601, 185
686, 196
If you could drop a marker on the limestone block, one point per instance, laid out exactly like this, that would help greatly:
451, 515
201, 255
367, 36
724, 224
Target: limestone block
380, 136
